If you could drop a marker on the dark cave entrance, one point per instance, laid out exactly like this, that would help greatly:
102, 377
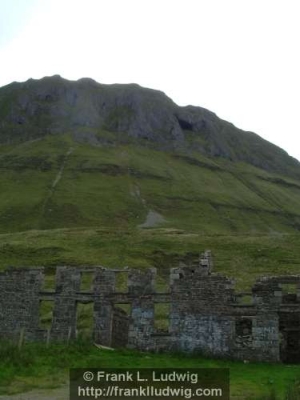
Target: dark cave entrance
185, 125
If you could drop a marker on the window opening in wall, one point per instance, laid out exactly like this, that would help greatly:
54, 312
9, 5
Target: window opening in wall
289, 292
46, 314
162, 316
121, 282
243, 326
162, 284
49, 280
84, 320
87, 281
289, 288
246, 299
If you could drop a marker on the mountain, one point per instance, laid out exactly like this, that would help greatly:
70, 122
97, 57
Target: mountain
82, 154
85, 108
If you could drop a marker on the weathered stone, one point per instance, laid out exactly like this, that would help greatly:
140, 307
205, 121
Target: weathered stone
205, 314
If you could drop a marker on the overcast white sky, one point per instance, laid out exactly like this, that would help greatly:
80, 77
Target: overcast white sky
238, 58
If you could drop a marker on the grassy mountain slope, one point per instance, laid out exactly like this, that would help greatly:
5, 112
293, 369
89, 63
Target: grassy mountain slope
56, 182
85, 169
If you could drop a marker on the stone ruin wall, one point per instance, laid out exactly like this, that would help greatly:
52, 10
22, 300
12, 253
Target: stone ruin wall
206, 315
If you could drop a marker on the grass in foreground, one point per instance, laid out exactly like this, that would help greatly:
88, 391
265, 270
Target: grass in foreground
38, 366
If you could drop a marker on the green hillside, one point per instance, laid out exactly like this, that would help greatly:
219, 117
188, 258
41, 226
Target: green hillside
64, 202
121, 175
55, 182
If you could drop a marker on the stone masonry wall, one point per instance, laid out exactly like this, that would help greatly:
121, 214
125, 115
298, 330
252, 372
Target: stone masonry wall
206, 315
19, 303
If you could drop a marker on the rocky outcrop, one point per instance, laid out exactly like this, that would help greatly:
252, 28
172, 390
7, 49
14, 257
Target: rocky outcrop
88, 109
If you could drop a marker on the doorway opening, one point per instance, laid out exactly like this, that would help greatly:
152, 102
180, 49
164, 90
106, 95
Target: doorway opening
289, 329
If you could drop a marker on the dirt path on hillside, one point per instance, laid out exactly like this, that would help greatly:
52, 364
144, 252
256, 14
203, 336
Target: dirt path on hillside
61, 170
57, 178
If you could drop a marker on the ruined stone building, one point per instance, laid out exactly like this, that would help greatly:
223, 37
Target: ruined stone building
205, 315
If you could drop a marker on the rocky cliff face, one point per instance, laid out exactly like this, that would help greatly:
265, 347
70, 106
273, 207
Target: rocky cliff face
89, 111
